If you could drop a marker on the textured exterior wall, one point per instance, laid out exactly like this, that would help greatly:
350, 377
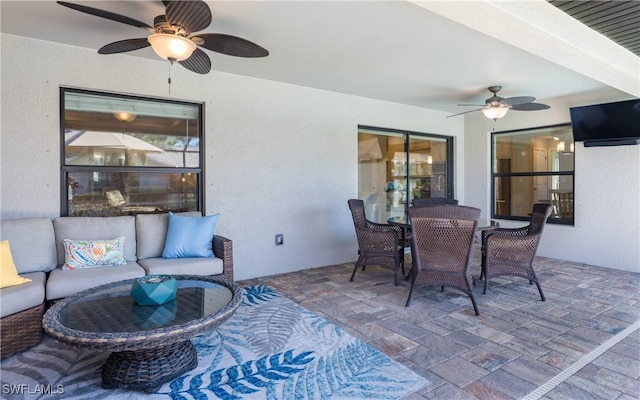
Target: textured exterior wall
607, 188
279, 158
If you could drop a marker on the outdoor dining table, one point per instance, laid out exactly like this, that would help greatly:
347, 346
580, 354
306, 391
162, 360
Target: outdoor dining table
404, 222
483, 224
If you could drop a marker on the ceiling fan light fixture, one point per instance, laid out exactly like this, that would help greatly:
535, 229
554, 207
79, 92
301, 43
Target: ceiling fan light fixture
495, 112
124, 116
171, 47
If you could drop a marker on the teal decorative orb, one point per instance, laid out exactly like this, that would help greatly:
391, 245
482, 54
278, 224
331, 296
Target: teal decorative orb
153, 290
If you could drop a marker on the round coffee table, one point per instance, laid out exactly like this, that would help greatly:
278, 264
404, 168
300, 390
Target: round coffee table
150, 345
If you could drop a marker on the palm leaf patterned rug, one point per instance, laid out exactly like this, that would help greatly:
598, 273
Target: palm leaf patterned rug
271, 348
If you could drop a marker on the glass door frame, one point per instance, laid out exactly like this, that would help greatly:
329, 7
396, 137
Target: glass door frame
407, 136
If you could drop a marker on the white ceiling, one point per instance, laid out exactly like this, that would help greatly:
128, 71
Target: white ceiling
432, 54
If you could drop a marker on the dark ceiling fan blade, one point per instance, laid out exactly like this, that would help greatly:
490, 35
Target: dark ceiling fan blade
465, 112
232, 45
530, 107
512, 101
122, 46
106, 14
199, 62
192, 16
471, 105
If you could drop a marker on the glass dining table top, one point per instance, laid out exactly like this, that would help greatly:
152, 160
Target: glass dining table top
483, 224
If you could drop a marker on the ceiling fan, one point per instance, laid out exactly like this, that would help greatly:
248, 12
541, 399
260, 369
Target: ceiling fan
172, 35
496, 107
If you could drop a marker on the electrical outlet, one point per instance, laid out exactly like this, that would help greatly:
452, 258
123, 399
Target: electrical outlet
279, 239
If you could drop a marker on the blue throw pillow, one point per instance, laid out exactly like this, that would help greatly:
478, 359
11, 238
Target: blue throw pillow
189, 236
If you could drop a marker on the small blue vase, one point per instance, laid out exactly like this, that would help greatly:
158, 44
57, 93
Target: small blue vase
153, 290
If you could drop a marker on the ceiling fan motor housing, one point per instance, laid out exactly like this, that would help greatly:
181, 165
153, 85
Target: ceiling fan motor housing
161, 25
495, 100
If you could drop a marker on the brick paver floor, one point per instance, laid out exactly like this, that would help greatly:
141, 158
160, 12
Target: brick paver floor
516, 345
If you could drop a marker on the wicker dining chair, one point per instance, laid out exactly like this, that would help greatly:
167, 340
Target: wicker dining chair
442, 246
378, 244
510, 252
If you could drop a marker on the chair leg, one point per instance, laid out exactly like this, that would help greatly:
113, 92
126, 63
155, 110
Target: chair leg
355, 268
539, 290
353, 274
473, 301
409, 298
486, 281
408, 275
410, 293
413, 281
413, 265
483, 260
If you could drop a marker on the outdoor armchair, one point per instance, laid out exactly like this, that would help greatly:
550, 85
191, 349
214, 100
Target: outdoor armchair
379, 244
442, 245
510, 252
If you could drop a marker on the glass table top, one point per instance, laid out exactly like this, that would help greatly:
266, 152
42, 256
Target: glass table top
112, 309
483, 224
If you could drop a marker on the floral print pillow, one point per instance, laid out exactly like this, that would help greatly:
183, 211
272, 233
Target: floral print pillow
79, 254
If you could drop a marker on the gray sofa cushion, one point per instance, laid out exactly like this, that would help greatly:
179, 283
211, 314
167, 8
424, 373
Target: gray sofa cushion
96, 228
151, 233
65, 283
14, 299
32, 243
178, 266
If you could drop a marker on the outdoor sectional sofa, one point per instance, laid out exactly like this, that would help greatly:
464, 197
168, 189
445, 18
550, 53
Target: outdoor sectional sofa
37, 247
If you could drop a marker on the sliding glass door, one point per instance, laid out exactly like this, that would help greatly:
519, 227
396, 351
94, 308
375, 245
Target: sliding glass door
395, 167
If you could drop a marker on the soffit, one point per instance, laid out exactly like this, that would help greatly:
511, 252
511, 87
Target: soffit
617, 20
407, 52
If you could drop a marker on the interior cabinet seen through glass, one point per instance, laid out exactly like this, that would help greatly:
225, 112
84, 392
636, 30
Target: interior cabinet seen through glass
396, 167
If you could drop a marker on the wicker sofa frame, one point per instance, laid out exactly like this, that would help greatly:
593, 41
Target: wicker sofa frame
21, 331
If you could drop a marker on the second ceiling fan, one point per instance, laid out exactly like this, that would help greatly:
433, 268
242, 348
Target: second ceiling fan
496, 107
172, 35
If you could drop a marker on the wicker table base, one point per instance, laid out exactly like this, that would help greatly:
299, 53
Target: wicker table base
149, 345
148, 370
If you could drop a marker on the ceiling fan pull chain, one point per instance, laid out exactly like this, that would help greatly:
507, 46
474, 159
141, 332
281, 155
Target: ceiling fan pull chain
169, 80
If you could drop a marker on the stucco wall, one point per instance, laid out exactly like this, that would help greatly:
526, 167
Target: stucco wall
283, 158
607, 188
279, 158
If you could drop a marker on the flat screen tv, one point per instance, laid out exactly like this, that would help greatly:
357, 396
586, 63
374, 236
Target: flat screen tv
608, 124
